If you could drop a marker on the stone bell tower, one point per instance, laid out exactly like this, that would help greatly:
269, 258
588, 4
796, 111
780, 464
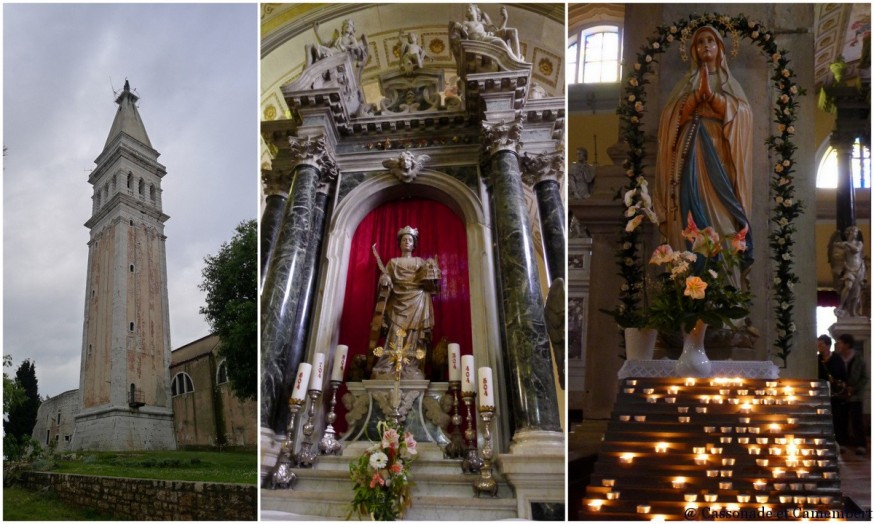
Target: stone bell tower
124, 382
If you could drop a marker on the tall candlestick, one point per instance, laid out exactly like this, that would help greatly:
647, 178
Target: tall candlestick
339, 363
486, 387
454, 362
301, 381
318, 373
468, 378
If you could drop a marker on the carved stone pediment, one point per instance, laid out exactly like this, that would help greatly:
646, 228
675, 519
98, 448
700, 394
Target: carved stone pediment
406, 93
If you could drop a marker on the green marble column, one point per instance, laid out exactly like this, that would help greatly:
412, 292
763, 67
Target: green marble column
552, 226
530, 378
284, 283
276, 186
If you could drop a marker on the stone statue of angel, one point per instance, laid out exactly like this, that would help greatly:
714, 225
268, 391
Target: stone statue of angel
413, 55
343, 41
407, 166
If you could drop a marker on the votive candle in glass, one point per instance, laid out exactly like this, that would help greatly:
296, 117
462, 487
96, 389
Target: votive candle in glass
761, 499
661, 447
743, 498
643, 508
762, 462
679, 482
612, 495
626, 458
608, 483
760, 485
684, 420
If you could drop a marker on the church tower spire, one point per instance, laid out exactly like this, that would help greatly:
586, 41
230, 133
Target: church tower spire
124, 380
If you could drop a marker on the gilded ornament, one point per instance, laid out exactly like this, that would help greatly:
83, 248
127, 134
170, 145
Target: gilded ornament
270, 113
437, 46
545, 66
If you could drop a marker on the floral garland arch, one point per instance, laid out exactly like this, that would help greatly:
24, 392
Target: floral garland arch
785, 207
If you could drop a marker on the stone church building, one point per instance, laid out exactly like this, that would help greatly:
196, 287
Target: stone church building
128, 399
449, 119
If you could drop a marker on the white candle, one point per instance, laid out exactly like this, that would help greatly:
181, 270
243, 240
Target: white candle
454, 362
301, 380
468, 380
486, 387
339, 363
318, 374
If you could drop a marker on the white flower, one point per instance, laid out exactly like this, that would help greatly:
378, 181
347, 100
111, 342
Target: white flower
638, 106
792, 327
643, 184
626, 245
378, 460
713, 274
655, 45
629, 196
767, 36
632, 98
779, 200
778, 168
634, 120
787, 202
790, 285
783, 181
669, 38
776, 56
793, 89
790, 129
787, 162
754, 34
781, 241
784, 305
783, 222
631, 211
629, 172
777, 281
787, 256
648, 60
786, 73
637, 66
673, 29
624, 287
784, 99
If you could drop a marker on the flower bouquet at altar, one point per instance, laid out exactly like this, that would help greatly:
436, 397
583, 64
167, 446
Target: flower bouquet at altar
699, 288
382, 475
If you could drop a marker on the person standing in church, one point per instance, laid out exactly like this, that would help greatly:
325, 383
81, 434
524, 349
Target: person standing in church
829, 362
849, 420
704, 163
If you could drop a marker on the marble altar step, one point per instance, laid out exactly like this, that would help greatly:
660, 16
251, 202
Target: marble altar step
440, 490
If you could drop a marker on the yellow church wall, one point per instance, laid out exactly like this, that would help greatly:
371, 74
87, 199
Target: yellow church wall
824, 124
98, 338
582, 128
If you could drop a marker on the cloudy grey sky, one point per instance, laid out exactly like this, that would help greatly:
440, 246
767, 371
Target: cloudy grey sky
195, 69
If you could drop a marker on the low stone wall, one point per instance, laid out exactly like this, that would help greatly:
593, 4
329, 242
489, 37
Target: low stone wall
142, 499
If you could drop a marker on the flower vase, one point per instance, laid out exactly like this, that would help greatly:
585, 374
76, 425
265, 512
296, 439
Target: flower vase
694, 362
640, 343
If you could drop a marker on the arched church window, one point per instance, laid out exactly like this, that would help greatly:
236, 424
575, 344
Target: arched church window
114, 180
97, 199
181, 384
152, 193
222, 373
130, 180
142, 187
860, 163
594, 55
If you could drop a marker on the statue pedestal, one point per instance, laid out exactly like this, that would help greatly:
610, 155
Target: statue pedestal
425, 405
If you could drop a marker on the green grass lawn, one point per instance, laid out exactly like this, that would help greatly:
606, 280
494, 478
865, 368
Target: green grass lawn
21, 504
237, 467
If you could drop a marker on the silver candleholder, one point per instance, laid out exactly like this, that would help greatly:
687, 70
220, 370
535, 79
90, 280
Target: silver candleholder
472, 461
485, 483
282, 475
329, 445
307, 456
456, 448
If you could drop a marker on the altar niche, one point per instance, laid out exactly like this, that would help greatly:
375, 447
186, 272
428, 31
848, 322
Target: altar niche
453, 226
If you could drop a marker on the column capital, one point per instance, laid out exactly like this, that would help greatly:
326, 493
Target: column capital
276, 182
542, 167
314, 151
502, 136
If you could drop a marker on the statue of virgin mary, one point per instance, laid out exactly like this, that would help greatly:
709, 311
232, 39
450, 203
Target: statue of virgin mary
704, 164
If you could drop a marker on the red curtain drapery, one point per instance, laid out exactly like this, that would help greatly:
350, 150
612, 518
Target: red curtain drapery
442, 234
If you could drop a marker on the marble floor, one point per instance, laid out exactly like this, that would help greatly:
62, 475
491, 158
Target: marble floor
584, 440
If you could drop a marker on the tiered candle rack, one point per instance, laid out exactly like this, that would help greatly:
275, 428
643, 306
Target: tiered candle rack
688, 449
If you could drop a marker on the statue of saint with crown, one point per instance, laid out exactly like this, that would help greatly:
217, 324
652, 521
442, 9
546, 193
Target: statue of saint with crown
404, 313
